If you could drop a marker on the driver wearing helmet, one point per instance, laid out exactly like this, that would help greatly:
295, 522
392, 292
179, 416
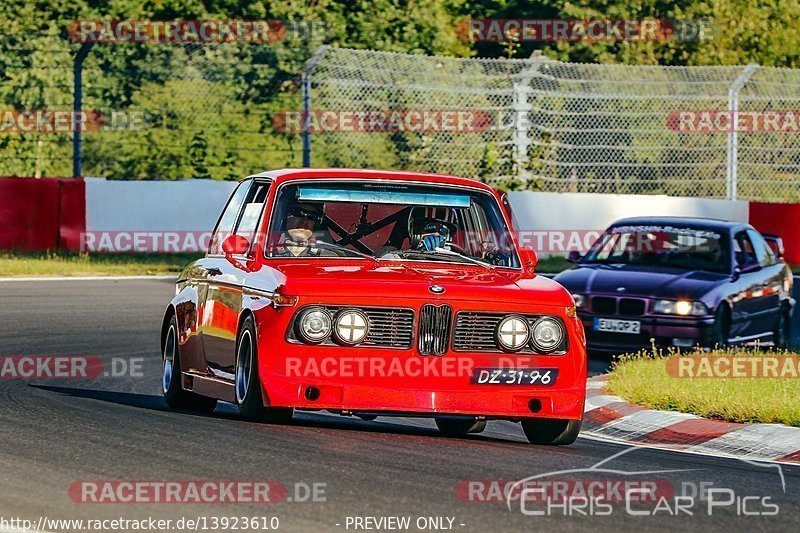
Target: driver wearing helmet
301, 222
429, 228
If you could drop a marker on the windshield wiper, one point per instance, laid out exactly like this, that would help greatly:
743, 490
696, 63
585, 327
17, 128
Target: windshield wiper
331, 246
443, 251
464, 257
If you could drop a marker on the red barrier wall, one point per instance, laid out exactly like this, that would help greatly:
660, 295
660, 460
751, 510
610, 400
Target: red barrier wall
782, 220
42, 214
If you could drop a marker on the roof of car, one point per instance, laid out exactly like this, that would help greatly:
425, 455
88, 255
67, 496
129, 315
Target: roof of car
286, 174
686, 222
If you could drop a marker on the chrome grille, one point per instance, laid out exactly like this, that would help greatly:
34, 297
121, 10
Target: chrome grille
474, 331
388, 327
434, 329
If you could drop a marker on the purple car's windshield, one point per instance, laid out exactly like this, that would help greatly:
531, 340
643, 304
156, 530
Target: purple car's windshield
665, 246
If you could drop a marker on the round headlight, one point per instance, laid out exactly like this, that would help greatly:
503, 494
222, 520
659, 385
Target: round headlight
547, 334
314, 325
352, 326
513, 333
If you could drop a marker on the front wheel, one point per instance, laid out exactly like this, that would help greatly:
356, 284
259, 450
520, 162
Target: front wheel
248, 384
722, 327
551, 432
783, 330
175, 396
456, 427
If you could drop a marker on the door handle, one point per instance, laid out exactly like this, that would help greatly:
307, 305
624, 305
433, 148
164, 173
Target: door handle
213, 271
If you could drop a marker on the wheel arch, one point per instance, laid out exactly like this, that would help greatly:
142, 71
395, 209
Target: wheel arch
169, 312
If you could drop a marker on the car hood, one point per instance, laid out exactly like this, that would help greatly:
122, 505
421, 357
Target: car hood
413, 280
654, 282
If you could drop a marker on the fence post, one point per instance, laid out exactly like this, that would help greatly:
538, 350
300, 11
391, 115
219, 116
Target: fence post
521, 107
77, 105
306, 83
733, 135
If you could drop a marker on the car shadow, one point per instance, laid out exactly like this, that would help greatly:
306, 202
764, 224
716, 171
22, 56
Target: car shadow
302, 419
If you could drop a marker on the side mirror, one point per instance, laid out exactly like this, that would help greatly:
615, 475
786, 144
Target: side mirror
574, 256
776, 244
737, 273
529, 259
235, 245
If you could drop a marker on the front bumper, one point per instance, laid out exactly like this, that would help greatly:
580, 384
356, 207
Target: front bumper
441, 386
403, 381
660, 331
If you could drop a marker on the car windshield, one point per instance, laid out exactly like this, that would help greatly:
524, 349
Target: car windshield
388, 222
667, 246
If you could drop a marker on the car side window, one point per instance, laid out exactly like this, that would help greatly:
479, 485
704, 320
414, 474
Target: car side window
764, 253
251, 212
743, 250
230, 216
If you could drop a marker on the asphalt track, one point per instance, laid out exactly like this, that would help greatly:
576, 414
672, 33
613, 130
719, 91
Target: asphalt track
54, 433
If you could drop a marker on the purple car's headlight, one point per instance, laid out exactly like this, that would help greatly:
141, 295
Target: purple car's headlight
680, 308
580, 299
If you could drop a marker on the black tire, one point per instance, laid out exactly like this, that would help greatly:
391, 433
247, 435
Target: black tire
720, 332
551, 432
247, 383
174, 394
783, 330
456, 427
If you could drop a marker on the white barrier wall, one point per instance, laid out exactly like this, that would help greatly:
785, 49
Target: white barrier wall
191, 205
152, 216
555, 223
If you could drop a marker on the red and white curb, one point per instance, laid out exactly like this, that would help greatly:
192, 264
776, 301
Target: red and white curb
612, 418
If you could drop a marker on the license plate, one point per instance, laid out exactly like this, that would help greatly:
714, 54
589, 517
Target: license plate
617, 326
514, 376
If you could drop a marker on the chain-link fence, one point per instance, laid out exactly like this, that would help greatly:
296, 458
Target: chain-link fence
571, 127
151, 110
220, 110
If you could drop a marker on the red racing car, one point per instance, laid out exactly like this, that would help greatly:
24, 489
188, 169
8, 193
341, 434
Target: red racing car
372, 293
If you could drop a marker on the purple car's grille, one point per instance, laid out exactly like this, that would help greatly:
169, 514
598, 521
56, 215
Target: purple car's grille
608, 305
631, 306
604, 305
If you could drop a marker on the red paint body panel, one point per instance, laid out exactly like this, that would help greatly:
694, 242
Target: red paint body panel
42, 214
427, 384
782, 220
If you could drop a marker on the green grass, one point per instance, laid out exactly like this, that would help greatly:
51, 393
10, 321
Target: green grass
18, 264
553, 265
643, 379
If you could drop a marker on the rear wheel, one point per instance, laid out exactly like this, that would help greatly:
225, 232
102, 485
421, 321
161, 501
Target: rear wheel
248, 384
175, 396
722, 327
455, 427
553, 432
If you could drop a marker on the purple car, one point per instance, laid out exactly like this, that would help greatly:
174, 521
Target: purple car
682, 283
